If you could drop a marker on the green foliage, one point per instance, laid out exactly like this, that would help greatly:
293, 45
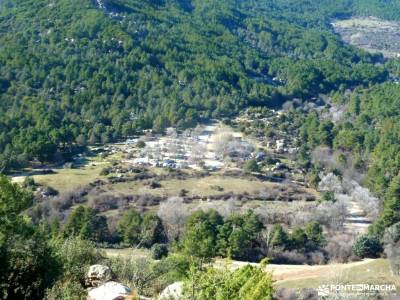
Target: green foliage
317, 132
27, 264
175, 267
298, 239
139, 272
145, 230
237, 237
13, 200
71, 290
251, 166
309, 238
200, 236
367, 246
278, 237
84, 223
140, 144
328, 196
207, 235
29, 183
129, 227
249, 283
313, 178
74, 255
371, 132
159, 251
391, 211
72, 75
314, 234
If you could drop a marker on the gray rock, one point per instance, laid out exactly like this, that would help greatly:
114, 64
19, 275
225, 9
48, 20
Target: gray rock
172, 292
111, 291
97, 275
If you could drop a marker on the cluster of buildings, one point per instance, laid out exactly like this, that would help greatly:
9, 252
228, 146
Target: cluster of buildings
192, 149
202, 148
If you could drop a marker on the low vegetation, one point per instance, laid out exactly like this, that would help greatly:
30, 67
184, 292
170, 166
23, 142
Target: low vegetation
161, 138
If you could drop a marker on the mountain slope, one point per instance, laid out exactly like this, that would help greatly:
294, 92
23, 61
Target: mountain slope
78, 72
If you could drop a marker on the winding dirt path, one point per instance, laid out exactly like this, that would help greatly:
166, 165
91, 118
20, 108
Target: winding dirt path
356, 221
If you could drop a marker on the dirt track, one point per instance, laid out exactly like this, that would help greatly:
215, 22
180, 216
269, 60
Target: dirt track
291, 272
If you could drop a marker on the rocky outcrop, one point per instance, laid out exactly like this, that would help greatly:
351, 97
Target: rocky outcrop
172, 292
97, 275
111, 291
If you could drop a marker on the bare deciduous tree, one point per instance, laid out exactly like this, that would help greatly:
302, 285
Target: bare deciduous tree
331, 183
339, 247
173, 214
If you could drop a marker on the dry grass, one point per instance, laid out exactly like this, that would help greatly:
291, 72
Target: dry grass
368, 271
69, 179
206, 186
126, 252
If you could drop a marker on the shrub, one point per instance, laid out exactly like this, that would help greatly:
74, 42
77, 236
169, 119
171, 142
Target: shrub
29, 183
83, 222
251, 166
328, 196
66, 289
159, 251
104, 172
154, 185
136, 229
137, 272
140, 144
76, 255
200, 235
246, 283
27, 264
367, 246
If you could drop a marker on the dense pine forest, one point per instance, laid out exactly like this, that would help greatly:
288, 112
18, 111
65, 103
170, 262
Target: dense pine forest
75, 74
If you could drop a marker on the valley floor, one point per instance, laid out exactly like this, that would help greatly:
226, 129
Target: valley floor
367, 271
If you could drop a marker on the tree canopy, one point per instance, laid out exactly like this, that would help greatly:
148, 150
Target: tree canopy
73, 73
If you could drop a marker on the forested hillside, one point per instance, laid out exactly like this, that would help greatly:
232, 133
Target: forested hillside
292, 154
80, 72
320, 13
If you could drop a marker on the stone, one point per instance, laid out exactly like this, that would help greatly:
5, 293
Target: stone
97, 275
172, 292
111, 291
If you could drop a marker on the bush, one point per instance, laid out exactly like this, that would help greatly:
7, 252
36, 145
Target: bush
154, 185
104, 172
76, 255
251, 166
66, 289
140, 144
328, 196
246, 283
138, 272
367, 246
27, 264
83, 222
136, 229
200, 236
159, 251
29, 183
